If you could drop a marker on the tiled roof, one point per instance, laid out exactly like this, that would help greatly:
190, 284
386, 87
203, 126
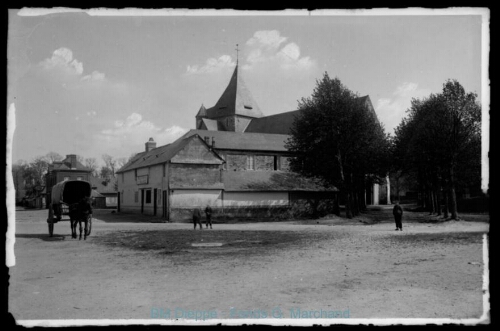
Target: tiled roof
268, 181
278, 124
236, 100
227, 140
160, 154
97, 184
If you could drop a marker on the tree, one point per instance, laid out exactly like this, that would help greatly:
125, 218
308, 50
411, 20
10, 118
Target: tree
53, 157
91, 163
336, 138
110, 163
105, 173
121, 161
439, 144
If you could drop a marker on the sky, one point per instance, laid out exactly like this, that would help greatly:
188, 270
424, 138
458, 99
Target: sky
104, 82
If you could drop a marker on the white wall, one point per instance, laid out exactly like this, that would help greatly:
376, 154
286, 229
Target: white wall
258, 199
191, 198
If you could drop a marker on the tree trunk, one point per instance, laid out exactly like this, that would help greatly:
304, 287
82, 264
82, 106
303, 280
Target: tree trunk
362, 199
445, 193
336, 206
453, 197
438, 202
348, 200
355, 203
430, 204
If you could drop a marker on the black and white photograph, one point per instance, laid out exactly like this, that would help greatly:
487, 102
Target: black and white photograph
294, 167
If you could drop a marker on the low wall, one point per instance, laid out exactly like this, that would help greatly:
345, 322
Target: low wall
222, 215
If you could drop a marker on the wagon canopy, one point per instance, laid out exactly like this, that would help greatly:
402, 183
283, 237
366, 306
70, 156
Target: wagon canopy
70, 191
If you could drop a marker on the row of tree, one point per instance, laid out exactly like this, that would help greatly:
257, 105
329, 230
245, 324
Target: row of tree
438, 146
33, 172
340, 141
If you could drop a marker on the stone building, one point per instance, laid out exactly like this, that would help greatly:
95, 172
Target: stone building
235, 160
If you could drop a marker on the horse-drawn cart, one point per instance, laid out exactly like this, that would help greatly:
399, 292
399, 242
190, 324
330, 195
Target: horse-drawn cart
64, 196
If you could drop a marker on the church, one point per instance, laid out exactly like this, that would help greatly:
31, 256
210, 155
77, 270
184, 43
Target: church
235, 160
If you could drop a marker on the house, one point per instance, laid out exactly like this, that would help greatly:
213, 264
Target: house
234, 160
67, 169
106, 194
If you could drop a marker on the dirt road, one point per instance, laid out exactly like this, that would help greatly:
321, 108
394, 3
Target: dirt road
306, 269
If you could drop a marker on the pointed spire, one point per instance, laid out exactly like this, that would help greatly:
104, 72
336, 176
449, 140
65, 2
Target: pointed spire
202, 112
236, 100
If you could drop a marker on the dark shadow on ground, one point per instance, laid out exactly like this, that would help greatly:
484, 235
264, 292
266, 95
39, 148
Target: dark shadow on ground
44, 236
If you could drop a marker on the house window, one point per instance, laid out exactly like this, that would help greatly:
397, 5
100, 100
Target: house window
148, 196
159, 197
276, 162
135, 171
66, 178
79, 178
250, 162
136, 196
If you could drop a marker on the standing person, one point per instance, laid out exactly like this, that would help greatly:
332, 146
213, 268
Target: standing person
397, 211
208, 213
197, 218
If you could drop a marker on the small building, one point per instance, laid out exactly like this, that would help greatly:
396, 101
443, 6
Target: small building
106, 190
67, 169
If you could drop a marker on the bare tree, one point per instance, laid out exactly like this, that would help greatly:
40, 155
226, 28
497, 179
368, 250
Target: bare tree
91, 163
53, 157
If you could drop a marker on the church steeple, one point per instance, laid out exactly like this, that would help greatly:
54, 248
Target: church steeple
236, 100
235, 108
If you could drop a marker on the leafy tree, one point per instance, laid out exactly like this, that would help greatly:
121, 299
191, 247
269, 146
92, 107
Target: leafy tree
336, 138
110, 163
439, 144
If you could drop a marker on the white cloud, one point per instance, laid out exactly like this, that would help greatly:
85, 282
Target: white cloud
392, 110
94, 76
266, 49
270, 39
63, 63
212, 65
62, 59
129, 135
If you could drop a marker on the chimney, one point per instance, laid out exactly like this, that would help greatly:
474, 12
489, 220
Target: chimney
151, 144
207, 140
213, 142
72, 160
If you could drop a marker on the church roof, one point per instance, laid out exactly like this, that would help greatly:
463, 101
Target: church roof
243, 141
279, 123
236, 100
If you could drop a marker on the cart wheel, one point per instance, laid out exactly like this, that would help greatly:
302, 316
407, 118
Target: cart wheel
89, 226
50, 220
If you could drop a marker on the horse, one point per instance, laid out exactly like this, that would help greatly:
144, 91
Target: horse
79, 212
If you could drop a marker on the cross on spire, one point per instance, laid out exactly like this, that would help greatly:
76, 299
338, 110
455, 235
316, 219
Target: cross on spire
237, 51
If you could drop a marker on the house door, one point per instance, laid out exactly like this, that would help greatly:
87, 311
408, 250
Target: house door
142, 201
165, 207
155, 201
